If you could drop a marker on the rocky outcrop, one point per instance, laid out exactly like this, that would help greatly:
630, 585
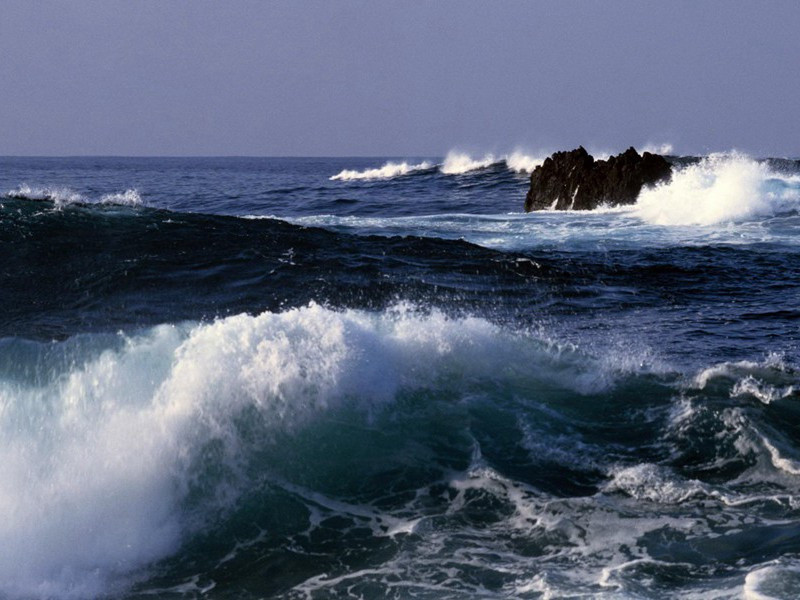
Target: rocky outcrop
575, 180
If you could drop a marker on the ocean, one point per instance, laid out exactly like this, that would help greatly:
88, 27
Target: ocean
312, 378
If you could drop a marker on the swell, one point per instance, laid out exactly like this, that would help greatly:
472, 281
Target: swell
90, 268
455, 163
102, 268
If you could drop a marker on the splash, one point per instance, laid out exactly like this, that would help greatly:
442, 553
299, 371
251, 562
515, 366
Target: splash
523, 163
663, 149
62, 196
455, 163
99, 456
57, 195
720, 188
773, 580
458, 163
127, 198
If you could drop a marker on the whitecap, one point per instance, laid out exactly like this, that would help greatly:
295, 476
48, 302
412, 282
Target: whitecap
387, 171
521, 162
97, 460
57, 195
64, 196
720, 188
129, 197
458, 163
773, 580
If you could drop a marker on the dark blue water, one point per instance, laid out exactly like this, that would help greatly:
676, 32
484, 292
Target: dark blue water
369, 377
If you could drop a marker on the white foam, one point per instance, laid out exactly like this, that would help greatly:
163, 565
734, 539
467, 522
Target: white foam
665, 148
57, 195
769, 380
780, 462
521, 162
457, 163
720, 188
774, 580
387, 171
762, 391
129, 197
63, 196
653, 483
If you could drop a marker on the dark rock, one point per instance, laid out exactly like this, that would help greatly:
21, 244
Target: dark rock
575, 180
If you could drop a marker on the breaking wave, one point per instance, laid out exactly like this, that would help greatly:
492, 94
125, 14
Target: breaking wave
523, 163
106, 455
663, 149
720, 188
458, 163
387, 171
455, 163
63, 196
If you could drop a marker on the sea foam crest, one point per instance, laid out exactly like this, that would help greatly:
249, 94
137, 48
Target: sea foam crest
665, 148
521, 162
773, 580
387, 171
57, 195
98, 459
720, 188
63, 196
129, 197
457, 163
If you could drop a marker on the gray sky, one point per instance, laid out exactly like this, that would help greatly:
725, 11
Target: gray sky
396, 78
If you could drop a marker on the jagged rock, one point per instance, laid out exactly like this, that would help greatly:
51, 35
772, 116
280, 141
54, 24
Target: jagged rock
575, 180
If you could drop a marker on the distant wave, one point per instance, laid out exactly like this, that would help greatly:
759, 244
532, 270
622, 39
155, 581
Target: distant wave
457, 163
665, 148
720, 188
387, 171
61, 196
58, 195
523, 163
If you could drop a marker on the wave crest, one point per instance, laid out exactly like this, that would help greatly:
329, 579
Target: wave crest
387, 171
458, 163
523, 163
57, 195
97, 461
455, 163
720, 188
665, 148
63, 196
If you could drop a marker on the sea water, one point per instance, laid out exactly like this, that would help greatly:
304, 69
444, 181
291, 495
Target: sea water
378, 377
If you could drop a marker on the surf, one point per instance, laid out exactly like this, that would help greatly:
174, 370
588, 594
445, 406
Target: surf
720, 188
64, 196
389, 170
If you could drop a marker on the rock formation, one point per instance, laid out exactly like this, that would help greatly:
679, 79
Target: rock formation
575, 180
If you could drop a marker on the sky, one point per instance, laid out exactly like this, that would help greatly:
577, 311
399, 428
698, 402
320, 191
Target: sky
347, 78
